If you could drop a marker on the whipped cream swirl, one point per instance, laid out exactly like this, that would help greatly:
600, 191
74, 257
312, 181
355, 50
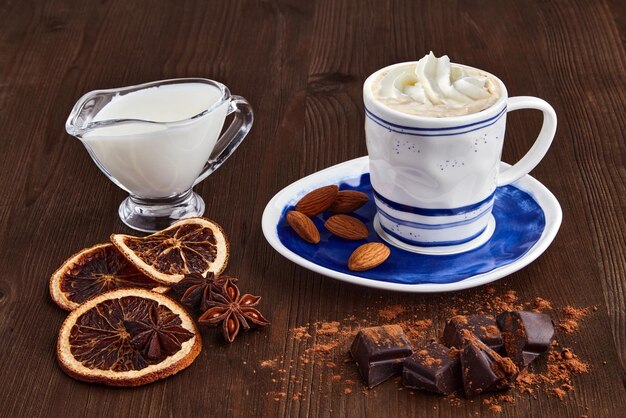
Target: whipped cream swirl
435, 87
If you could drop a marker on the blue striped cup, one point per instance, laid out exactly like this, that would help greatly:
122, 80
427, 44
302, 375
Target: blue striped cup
435, 179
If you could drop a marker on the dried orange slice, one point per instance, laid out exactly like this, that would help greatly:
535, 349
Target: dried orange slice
194, 245
127, 337
93, 271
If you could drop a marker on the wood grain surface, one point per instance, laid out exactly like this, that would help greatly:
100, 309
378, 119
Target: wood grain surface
301, 64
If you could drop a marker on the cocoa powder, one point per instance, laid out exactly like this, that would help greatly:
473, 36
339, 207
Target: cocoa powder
328, 328
496, 409
572, 317
391, 312
541, 304
300, 333
327, 344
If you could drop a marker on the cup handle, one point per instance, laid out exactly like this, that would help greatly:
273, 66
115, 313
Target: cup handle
542, 143
232, 137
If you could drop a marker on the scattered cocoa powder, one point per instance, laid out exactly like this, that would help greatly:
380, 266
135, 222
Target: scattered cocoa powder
568, 326
416, 329
278, 396
575, 313
561, 365
429, 361
495, 401
268, 363
328, 343
559, 393
300, 333
527, 382
510, 296
506, 398
461, 319
507, 302
391, 312
328, 328
485, 302
491, 331
324, 348
454, 400
541, 304
572, 317
496, 409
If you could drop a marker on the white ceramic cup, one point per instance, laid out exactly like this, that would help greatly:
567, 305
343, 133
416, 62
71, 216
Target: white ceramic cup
434, 179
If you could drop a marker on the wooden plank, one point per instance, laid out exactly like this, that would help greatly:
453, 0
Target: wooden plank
301, 65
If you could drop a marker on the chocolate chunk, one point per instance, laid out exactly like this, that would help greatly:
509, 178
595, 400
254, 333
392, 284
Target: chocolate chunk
525, 334
482, 326
435, 367
378, 352
482, 369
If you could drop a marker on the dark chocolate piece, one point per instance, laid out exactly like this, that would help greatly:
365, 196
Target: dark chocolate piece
525, 334
378, 352
482, 369
482, 326
435, 368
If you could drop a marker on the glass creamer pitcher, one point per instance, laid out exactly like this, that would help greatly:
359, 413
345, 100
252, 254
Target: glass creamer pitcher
157, 140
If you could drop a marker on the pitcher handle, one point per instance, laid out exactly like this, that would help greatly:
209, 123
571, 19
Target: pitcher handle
232, 137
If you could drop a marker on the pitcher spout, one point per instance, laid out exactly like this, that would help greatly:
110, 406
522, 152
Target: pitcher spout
80, 120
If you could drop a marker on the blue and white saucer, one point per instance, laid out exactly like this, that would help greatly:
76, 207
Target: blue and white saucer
527, 218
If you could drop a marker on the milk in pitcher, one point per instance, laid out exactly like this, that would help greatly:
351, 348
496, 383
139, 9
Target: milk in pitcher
167, 136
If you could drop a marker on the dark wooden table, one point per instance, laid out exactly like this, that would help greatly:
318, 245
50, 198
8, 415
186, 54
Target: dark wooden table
301, 64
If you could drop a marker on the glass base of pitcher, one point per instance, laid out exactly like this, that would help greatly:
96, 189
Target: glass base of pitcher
151, 215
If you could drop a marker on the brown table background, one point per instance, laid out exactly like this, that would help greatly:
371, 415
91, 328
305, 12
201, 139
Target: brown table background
301, 64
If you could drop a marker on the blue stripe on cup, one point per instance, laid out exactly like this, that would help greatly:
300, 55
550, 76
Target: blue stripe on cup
433, 212
431, 243
419, 225
448, 131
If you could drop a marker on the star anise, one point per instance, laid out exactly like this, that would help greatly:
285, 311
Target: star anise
158, 335
232, 311
195, 290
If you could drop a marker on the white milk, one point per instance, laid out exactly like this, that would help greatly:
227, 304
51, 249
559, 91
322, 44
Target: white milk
158, 160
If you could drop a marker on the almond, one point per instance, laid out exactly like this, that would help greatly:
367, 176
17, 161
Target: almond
304, 226
348, 201
317, 201
368, 256
347, 227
